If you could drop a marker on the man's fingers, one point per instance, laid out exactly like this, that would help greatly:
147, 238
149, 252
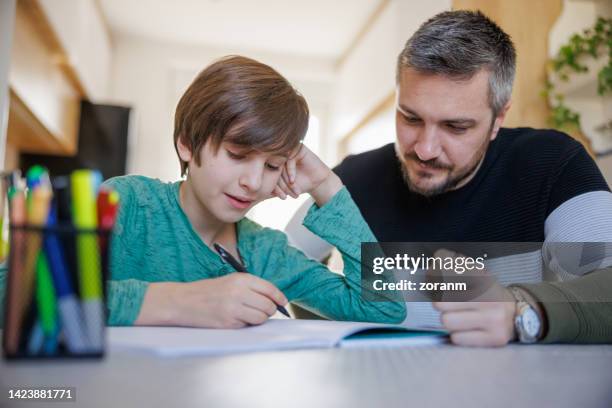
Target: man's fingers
462, 321
444, 253
453, 306
478, 338
472, 338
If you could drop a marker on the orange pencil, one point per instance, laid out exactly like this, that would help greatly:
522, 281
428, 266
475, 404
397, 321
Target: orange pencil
15, 281
37, 213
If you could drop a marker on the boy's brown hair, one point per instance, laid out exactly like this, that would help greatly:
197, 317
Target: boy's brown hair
242, 101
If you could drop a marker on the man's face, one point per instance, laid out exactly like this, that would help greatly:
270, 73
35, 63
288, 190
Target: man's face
229, 182
444, 127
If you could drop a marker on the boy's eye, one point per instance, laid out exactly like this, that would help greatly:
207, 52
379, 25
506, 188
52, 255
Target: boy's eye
234, 156
272, 167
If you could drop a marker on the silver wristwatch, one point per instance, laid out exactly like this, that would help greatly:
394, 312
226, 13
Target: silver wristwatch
527, 322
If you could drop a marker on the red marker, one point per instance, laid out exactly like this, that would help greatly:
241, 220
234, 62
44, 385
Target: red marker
108, 203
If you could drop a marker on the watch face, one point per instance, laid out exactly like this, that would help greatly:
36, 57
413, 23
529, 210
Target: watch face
531, 323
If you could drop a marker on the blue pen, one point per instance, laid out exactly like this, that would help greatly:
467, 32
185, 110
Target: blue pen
50, 343
36, 340
70, 311
227, 257
96, 180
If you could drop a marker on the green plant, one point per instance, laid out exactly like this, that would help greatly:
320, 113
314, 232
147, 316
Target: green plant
594, 42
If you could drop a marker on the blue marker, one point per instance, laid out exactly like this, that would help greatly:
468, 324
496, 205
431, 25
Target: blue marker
70, 311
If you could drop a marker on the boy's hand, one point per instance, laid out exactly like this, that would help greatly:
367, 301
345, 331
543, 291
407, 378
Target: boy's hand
232, 301
306, 173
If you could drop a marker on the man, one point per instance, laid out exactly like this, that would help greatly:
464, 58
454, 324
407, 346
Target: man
454, 174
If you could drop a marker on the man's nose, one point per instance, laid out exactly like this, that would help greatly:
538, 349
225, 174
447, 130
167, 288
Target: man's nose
427, 146
251, 177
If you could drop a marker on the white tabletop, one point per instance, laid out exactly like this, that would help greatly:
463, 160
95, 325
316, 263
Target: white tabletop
443, 375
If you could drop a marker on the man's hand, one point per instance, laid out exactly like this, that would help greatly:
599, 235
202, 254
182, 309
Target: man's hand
479, 323
232, 301
306, 173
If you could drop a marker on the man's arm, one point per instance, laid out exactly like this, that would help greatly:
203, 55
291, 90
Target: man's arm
576, 311
574, 302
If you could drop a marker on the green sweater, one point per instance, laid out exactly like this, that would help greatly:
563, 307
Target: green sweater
154, 241
578, 310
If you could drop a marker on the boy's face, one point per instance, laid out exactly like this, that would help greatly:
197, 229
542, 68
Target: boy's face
228, 183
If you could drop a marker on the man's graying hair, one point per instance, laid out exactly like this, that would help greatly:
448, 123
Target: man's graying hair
458, 44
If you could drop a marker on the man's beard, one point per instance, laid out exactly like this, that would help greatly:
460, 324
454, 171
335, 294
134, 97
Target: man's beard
451, 182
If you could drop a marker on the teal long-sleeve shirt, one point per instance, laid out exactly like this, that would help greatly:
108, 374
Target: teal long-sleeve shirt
154, 241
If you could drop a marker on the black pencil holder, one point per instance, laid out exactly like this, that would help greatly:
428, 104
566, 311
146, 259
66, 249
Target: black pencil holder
55, 293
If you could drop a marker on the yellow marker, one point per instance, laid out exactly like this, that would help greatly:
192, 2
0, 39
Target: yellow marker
88, 255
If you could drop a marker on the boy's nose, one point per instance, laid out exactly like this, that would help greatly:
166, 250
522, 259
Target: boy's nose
251, 178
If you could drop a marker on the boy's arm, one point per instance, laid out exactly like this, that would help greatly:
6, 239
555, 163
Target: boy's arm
124, 294
124, 300
316, 288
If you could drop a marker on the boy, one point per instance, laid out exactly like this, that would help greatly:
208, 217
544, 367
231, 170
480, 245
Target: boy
238, 131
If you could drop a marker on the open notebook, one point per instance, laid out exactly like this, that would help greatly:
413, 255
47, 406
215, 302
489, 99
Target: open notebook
276, 334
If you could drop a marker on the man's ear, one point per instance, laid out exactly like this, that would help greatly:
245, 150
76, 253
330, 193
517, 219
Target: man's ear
499, 120
183, 150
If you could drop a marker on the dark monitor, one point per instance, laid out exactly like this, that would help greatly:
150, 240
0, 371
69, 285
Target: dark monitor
103, 143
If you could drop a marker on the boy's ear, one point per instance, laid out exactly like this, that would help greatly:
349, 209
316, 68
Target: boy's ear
183, 151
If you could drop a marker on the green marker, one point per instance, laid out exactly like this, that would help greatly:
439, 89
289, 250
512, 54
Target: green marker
46, 301
88, 256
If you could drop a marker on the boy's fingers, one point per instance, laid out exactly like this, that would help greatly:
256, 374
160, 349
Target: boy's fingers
294, 190
260, 302
291, 166
285, 178
279, 193
283, 185
252, 316
268, 289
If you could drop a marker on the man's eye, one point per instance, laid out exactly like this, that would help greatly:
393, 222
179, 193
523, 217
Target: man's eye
411, 119
234, 156
457, 129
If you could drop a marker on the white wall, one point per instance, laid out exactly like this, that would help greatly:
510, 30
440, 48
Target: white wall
151, 76
367, 76
82, 33
581, 91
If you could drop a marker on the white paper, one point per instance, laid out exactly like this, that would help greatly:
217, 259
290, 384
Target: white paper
276, 334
